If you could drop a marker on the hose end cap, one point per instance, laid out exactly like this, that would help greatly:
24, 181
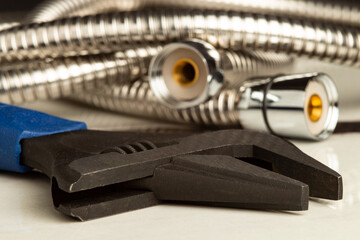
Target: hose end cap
302, 106
186, 74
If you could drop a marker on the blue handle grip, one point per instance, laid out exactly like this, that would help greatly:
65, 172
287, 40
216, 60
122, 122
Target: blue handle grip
18, 123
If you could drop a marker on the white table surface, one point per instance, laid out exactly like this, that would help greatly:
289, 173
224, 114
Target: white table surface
26, 209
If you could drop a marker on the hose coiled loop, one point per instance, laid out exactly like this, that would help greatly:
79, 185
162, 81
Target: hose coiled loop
63, 77
113, 32
137, 99
303, 9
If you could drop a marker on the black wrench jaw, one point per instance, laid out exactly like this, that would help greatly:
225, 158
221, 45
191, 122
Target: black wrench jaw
213, 180
93, 177
219, 180
100, 202
291, 162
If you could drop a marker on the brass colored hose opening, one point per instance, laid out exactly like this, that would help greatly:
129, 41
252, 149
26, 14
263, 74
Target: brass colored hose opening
315, 108
185, 72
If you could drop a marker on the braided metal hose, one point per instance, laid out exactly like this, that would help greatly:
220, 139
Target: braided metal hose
63, 77
310, 9
111, 32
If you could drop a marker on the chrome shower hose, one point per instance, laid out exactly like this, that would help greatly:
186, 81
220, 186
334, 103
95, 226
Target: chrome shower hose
65, 76
136, 98
309, 9
248, 105
7, 25
113, 32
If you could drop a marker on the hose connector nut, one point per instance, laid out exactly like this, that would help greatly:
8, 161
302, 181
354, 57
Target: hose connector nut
296, 106
186, 73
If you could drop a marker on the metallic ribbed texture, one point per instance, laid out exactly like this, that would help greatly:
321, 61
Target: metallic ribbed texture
136, 98
8, 25
310, 9
240, 65
62, 77
109, 32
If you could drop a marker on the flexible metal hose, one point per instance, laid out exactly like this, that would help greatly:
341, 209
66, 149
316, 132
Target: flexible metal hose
63, 77
8, 25
112, 32
243, 64
281, 104
310, 9
136, 98
246, 105
25, 82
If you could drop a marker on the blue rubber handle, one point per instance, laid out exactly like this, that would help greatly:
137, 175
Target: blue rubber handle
18, 123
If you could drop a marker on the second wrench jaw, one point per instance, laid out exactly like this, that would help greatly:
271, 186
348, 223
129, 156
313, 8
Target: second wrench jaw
213, 180
284, 158
291, 162
224, 181
100, 202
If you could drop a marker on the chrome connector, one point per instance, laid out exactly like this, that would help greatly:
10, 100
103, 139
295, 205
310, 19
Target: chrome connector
186, 74
295, 106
